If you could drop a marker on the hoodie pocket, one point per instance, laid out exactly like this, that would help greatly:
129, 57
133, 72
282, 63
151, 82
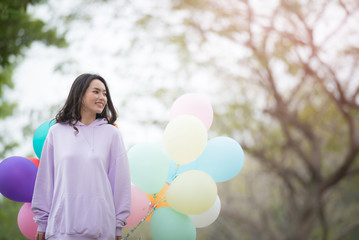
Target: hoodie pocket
78, 215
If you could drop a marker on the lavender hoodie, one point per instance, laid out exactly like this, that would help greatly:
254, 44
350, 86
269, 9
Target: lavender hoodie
83, 188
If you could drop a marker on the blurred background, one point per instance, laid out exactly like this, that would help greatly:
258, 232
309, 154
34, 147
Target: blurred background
282, 77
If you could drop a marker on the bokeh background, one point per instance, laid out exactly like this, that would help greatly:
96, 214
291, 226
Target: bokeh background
282, 77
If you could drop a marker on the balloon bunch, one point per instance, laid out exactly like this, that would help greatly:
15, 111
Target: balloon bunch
175, 188
17, 181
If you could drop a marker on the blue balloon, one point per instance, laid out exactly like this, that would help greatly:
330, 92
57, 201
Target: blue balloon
17, 178
222, 158
40, 136
175, 170
168, 224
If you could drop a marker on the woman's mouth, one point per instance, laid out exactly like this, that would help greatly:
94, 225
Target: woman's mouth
101, 105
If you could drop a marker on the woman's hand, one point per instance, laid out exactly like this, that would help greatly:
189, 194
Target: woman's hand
41, 236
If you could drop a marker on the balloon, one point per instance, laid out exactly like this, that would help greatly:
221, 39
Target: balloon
167, 223
156, 198
140, 205
17, 178
185, 138
193, 104
40, 136
148, 167
35, 161
222, 159
25, 221
176, 169
208, 217
192, 192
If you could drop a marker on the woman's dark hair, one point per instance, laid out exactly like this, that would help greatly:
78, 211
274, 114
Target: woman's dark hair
71, 111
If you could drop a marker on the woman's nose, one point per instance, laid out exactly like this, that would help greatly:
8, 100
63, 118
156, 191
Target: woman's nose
102, 96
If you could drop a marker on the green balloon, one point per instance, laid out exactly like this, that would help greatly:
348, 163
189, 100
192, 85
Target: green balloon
167, 223
148, 167
40, 136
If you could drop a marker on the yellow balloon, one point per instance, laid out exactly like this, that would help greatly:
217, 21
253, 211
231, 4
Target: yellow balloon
192, 192
185, 138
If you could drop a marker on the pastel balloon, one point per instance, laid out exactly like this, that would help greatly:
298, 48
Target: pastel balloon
168, 224
40, 137
158, 200
185, 138
192, 192
35, 161
17, 178
223, 158
25, 221
193, 104
148, 167
208, 217
140, 205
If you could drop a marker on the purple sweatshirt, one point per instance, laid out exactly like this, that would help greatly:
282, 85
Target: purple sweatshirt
83, 187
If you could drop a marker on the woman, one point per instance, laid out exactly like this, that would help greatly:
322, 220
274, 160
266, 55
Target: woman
83, 188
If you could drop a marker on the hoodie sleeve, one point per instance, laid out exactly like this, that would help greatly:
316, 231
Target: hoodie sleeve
119, 176
43, 190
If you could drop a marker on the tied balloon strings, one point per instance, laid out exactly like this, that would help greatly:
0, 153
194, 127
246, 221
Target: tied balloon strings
162, 199
175, 173
149, 213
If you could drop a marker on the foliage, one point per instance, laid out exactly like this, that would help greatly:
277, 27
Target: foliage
8, 216
18, 31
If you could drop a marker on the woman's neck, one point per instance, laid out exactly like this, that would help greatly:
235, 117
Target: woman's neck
87, 119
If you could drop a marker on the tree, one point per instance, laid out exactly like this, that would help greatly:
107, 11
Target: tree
289, 70
18, 31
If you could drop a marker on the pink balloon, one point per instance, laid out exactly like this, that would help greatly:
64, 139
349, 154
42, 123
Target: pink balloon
140, 205
25, 221
193, 104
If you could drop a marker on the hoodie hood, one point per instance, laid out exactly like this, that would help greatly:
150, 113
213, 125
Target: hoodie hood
88, 132
97, 122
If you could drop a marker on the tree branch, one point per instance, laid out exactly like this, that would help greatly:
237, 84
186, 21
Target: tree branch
282, 113
342, 170
355, 95
339, 26
274, 166
354, 145
319, 15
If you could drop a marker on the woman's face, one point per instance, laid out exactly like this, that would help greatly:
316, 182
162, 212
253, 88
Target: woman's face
94, 99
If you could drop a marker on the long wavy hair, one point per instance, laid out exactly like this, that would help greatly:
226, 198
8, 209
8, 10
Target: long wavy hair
71, 111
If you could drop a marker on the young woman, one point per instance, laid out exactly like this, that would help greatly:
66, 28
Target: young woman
83, 188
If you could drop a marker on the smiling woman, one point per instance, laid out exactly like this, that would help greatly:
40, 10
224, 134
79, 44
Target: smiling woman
89, 99
94, 101
83, 189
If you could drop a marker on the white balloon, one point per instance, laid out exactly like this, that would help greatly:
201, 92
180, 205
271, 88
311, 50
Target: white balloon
208, 217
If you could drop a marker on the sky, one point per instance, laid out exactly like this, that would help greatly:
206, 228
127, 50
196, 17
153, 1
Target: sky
94, 47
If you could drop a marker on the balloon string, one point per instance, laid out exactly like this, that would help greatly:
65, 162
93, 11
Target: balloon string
153, 208
176, 171
149, 213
